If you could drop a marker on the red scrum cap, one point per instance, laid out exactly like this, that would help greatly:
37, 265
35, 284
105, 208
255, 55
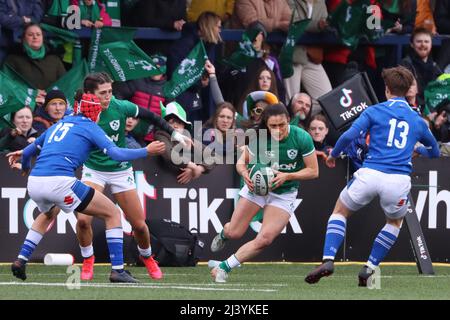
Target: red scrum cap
89, 106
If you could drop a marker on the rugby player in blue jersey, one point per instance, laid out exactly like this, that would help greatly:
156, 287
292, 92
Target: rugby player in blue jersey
394, 130
53, 186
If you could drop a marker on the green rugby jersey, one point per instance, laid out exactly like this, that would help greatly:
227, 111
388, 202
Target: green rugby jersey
290, 153
113, 121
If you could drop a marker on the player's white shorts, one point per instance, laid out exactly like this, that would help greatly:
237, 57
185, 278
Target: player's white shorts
119, 181
67, 193
283, 201
393, 190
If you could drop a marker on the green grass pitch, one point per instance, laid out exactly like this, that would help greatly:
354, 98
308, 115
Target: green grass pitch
252, 281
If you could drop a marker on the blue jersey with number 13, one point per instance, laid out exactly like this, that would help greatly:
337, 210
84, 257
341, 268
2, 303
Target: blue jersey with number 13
394, 129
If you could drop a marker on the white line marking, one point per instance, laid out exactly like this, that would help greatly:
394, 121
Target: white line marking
132, 286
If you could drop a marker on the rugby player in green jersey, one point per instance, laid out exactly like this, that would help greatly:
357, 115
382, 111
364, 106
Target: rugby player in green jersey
290, 153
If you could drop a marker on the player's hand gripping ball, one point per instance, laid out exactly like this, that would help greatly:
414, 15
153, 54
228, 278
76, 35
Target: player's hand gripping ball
261, 177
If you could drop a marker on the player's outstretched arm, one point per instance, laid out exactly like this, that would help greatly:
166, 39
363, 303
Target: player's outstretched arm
124, 154
431, 149
163, 124
344, 140
101, 141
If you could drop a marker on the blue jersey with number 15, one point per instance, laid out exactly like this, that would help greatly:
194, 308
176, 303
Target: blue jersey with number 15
394, 131
67, 144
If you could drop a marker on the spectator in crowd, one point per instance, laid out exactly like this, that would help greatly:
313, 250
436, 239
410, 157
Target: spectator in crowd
254, 105
177, 158
318, 129
263, 80
22, 135
420, 61
207, 28
235, 77
14, 16
33, 62
131, 141
165, 14
440, 127
300, 109
442, 19
424, 16
146, 93
399, 15
273, 14
223, 8
53, 110
341, 62
220, 133
307, 60
93, 13
442, 16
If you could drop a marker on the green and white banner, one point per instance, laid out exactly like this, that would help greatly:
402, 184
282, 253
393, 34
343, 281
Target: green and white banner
188, 72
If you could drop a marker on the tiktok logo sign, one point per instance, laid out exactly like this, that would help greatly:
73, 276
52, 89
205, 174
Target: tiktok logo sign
346, 100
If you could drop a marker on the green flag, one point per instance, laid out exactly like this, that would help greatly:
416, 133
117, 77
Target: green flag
243, 55
68, 40
126, 61
22, 90
71, 82
188, 72
62, 34
296, 30
14, 95
103, 36
436, 92
58, 8
350, 20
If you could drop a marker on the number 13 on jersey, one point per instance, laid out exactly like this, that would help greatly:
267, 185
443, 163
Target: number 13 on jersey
403, 127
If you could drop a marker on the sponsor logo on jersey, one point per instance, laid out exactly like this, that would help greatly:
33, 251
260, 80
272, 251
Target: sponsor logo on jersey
115, 125
68, 200
114, 138
284, 166
292, 153
402, 202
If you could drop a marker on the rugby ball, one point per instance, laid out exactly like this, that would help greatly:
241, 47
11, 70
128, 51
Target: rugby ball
261, 177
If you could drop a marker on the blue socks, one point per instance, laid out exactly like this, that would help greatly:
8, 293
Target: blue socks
31, 242
382, 244
114, 238
334, 236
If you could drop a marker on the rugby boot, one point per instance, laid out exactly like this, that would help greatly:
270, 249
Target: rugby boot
18, 269
324, 270
152, 267
87, 270
122, 277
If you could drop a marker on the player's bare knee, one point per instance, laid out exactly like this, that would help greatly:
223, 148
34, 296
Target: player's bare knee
395, 222
232, 234
140, 227
263, 240
83, 223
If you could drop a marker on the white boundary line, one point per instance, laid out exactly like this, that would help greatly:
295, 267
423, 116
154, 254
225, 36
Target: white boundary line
132, 286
